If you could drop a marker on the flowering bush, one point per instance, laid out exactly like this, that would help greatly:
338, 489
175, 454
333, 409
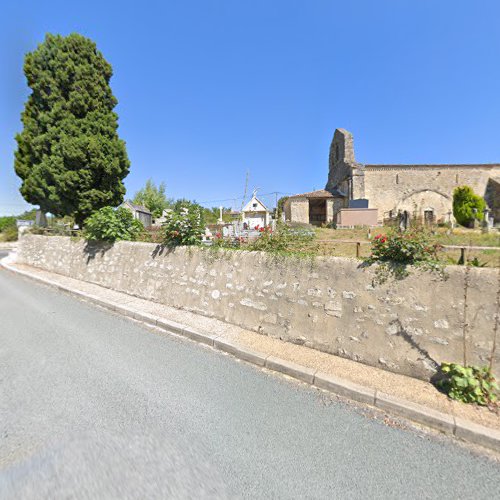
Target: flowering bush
183, 228
410, 247
395, 251
221, 241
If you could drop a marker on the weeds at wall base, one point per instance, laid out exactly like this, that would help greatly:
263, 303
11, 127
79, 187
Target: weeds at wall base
469, 384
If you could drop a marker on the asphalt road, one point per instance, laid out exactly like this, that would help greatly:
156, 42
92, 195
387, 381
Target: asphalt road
93, 405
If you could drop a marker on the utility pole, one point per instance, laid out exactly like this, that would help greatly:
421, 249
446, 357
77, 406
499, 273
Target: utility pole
244, 195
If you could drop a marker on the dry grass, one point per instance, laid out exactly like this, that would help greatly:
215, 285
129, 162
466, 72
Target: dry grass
337, 242
347, 234
468, 237
444, 236
490, 258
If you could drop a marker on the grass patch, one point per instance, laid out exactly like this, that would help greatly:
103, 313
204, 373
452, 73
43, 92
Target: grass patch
444, 236
468, 237
337, 242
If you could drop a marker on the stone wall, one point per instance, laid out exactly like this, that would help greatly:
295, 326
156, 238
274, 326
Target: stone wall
297, 210
330, 213
328, 304
421, 187
415, 188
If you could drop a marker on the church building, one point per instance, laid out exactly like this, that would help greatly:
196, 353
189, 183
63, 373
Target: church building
424, 191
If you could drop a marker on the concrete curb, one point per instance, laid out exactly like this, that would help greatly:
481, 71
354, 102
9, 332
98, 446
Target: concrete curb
448, 424
345, 388
418, 413
291, 369
241, 352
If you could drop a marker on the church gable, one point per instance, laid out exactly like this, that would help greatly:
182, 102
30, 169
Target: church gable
255, 205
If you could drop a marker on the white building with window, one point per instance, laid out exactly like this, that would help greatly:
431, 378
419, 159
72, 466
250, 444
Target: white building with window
255, 214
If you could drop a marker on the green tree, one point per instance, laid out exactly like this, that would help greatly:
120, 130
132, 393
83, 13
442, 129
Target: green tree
464, 203
212, 215
28, 214
152, 197
281, 205
69, 155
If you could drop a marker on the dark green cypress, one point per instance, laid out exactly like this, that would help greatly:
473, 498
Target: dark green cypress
69, 155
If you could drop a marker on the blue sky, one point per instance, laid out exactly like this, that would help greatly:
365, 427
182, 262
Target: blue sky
211, 89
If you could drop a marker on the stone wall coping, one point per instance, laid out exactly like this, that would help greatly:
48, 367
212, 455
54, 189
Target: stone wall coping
265, 255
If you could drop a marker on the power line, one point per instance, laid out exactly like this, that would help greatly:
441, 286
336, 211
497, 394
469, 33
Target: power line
233, 199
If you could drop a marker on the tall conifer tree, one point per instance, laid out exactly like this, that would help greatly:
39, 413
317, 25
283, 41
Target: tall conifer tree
69, 155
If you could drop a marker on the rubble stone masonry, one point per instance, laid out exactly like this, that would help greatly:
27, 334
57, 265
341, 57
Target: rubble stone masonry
414, 188
417, 188
330, 304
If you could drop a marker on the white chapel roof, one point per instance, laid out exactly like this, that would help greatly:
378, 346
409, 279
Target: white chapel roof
259, 208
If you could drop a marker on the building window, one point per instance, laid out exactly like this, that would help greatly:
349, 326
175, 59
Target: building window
456, 178
337, 152
429, 216
397, 178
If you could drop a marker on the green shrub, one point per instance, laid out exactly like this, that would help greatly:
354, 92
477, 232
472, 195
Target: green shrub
9, 234
464, 203
184, 227
475, 262
220, 241
469, 384
280, 208
284, 239
7, 222
108, 224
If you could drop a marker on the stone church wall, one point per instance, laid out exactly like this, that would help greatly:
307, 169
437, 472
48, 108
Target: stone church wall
415, 188
422, 187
